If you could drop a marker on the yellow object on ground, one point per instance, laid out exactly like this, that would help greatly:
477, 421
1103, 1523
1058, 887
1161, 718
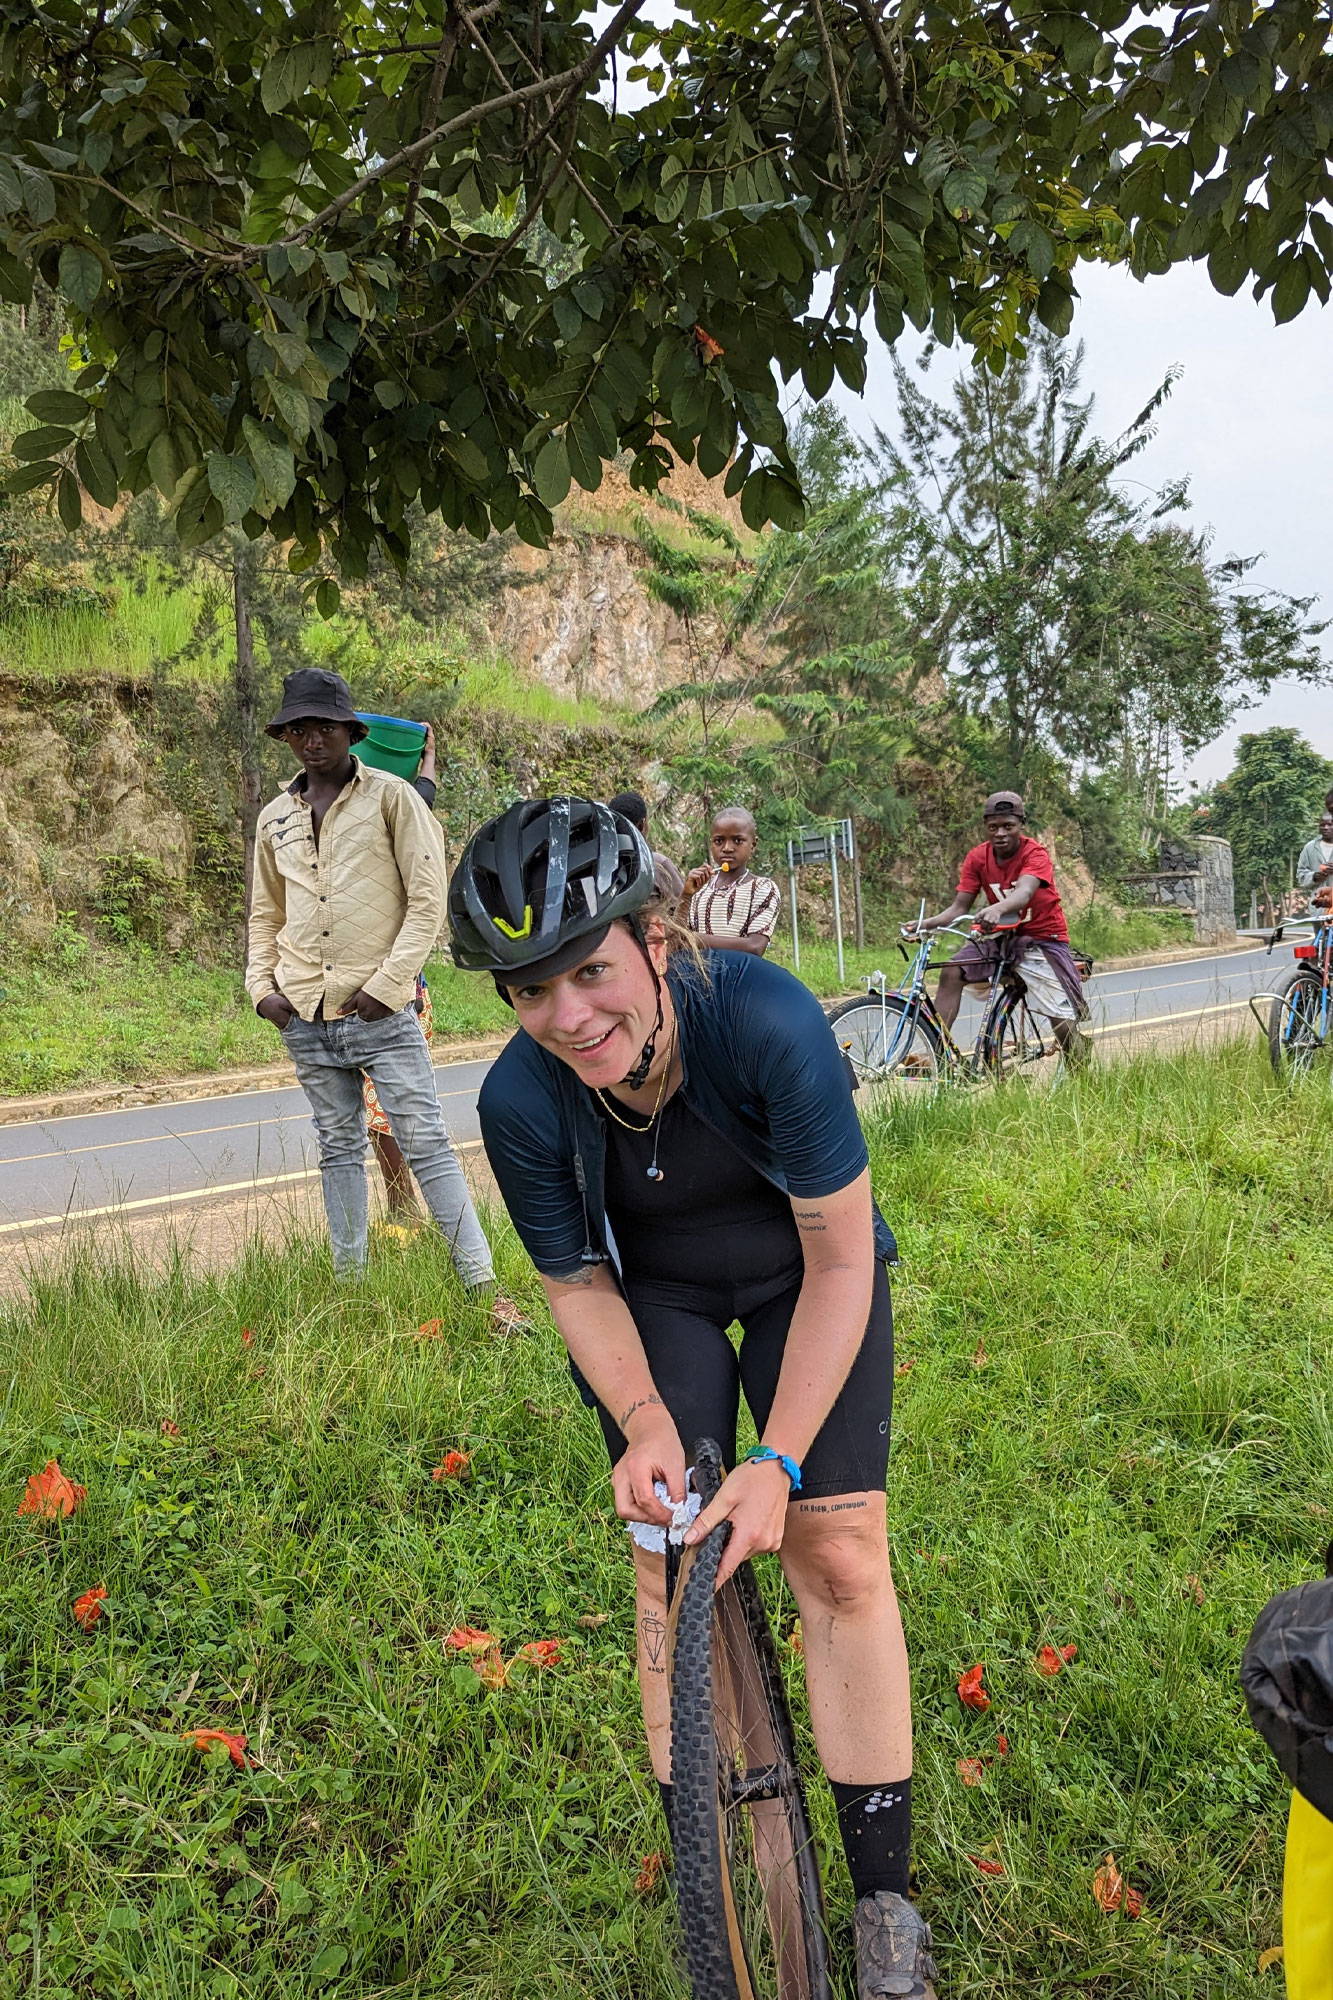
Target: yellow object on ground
1307, 1903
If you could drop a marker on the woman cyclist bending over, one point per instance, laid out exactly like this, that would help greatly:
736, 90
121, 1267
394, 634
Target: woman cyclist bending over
674, 1138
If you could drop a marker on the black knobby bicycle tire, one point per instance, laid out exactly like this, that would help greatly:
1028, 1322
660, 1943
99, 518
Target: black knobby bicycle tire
1278, 1051
705, 1860
993, 1043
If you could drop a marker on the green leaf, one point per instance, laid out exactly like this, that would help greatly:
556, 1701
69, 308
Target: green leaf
11, 193
532, 523
1032, 242
1291, 290
965, 191
96, 472
550, 472
232, 482
39, 195
327, 1964
80, 275
28, 477
286, 75
849, 358
1227, 266
164, 464
58, 406
272, 460
292, 405
468, 456
69, 501
41, 443
817, 372
327, 597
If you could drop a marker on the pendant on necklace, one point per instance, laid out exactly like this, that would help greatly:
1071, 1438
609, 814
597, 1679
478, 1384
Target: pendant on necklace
655, 1172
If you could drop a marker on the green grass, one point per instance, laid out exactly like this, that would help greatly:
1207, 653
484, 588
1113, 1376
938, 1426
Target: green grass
146, 622
1113, 1430
1110, 933
141, 1017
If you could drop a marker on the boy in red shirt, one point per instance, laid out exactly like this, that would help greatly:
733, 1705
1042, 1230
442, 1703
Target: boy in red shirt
1021, 902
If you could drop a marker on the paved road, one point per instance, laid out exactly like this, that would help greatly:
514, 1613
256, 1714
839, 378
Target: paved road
174, 1155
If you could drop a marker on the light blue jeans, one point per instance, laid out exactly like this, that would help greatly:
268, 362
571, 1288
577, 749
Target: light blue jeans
330, 1057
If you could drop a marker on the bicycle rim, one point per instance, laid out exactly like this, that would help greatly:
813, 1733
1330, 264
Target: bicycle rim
1295, 1036
892, 1049
751, 1907
1013, 1041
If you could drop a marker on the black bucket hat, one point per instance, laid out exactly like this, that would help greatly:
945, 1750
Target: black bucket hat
1287, 1675
316, 695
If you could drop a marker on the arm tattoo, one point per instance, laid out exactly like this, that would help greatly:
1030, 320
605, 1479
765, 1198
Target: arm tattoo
642, 1404
829, 1506
810, 1221
582, 1274
652, 1642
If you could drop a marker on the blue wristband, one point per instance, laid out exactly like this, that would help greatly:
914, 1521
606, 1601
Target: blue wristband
789, 1465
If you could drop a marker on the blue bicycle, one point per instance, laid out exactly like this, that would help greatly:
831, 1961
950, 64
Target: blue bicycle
1300, 1012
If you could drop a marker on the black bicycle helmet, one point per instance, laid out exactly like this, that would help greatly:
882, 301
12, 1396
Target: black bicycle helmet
1287, 1676
545, 881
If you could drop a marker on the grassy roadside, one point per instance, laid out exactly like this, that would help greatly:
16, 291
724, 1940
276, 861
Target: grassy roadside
1113, 1431
85, 1013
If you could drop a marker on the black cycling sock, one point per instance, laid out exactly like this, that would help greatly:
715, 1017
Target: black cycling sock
667, 1792
875, 1822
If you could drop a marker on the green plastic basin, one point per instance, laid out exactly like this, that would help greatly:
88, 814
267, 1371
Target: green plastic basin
393, 744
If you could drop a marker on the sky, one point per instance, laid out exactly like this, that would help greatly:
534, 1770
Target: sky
1250, 423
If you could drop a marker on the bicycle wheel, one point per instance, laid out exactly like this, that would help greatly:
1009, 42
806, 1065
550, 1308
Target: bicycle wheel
1295, 1027
1011, 1039
890, 1043
747, 1880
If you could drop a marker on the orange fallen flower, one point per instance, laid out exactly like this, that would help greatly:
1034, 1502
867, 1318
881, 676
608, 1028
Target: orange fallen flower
1002, 1746
470, 1639
1049, 1662
50, 1495
204, 1740
1112, 1892
88, 1608
905, 1367
986, 1867
482, 1652
796, 1640
972, 1770
980, 1356
970, 1691
541, 1652
649, 1875
430, 1329
452, 1466
707, 348
247, 1337
168, 1429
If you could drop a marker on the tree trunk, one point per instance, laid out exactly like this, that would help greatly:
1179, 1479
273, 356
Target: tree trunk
247, 716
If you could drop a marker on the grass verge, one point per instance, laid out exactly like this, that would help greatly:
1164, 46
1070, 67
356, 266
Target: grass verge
1113, 1432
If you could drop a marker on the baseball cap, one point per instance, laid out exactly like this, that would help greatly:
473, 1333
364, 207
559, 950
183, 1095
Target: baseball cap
1004, 802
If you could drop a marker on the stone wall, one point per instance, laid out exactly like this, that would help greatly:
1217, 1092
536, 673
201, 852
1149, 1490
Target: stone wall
1197, 879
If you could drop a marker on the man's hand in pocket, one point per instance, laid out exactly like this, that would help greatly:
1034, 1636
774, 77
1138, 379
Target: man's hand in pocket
277, 1008
365, 1007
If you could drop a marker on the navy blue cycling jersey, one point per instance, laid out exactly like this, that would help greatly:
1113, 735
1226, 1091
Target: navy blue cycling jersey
760, 1067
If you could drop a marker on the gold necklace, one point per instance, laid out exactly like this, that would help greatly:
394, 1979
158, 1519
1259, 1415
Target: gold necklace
654, 1172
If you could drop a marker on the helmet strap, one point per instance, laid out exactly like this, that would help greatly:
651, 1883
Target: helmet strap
638, 1076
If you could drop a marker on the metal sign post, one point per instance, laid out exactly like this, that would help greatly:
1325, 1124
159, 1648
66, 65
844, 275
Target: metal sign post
821, 847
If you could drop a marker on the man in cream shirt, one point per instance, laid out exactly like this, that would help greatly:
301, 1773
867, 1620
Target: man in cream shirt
348, 899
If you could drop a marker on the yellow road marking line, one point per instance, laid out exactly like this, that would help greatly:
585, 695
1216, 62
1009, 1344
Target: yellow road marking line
187, 1194
1157, 1020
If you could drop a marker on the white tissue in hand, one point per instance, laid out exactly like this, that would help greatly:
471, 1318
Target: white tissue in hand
655, 1539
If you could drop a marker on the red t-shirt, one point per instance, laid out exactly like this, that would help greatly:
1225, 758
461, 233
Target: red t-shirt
1044, 917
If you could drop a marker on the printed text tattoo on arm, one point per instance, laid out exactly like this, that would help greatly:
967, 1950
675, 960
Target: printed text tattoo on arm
810, 1221
643, 1403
